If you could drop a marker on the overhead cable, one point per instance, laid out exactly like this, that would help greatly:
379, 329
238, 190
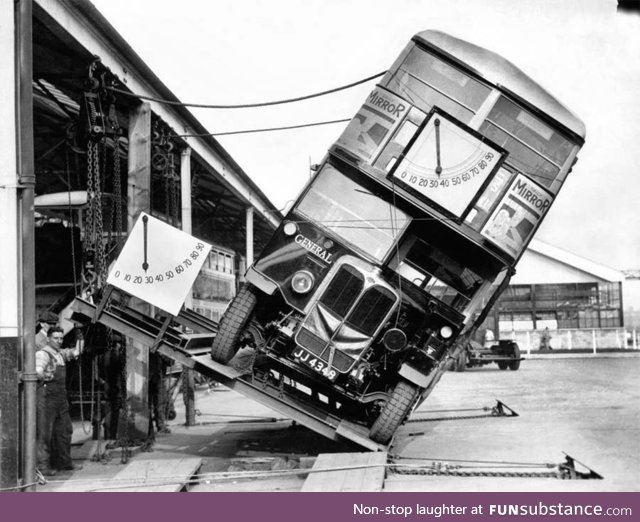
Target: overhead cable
247, 105
262, 130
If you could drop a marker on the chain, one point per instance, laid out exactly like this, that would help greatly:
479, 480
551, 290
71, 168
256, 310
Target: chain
167, 192
71, 220
89, 241
171, 188
101, 264
175, 192
117, 193
455, 471
95, 270
563, 471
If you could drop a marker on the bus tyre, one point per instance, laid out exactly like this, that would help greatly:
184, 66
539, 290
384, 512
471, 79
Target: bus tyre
514, 365
231, 325
394, 412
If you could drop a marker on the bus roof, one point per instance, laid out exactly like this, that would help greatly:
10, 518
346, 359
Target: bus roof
501, 72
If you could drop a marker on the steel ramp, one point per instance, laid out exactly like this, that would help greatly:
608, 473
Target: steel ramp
187, 349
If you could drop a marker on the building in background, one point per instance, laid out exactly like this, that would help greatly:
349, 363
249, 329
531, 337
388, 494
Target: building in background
581, 302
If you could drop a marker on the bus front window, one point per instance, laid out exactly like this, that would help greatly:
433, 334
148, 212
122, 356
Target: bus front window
351, 212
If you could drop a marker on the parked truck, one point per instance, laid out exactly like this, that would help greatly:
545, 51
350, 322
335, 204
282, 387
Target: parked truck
506, 354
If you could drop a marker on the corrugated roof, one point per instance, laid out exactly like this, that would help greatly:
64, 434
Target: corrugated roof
568, 258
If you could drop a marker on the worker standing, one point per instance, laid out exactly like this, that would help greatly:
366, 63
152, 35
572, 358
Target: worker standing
53, 427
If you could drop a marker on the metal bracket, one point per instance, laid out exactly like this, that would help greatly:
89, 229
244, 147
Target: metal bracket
28, 377
163, 329
103, 302
568, 470
502, 410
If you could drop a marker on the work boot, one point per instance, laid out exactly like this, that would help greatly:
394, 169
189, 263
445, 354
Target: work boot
47, 472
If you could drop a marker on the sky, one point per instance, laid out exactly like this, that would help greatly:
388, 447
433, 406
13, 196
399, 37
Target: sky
585, 52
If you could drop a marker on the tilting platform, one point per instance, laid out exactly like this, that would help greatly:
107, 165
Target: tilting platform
191, 351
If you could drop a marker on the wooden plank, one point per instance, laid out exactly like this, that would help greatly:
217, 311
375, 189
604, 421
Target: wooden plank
154, 475
347, 472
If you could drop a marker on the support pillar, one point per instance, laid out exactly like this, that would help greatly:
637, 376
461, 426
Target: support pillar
188, 381
9, 260
249, 246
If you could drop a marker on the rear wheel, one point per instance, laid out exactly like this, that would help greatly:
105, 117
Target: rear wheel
225, 344
514, 365
394, 412
503, 365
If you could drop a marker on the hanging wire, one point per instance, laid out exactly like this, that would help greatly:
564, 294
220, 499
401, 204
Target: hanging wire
392, 210
269, 129
246, 105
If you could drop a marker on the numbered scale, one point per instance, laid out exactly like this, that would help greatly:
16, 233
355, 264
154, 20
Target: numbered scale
158, 263
448, 163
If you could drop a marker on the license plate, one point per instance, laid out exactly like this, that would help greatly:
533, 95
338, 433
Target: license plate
315, 363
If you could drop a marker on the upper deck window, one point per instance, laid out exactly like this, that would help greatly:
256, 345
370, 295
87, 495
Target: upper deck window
534, 147
426, 80
350, 211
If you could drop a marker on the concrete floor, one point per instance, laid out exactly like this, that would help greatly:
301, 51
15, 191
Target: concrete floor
588, 407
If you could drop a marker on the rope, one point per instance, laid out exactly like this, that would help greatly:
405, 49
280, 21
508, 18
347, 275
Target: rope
247, 105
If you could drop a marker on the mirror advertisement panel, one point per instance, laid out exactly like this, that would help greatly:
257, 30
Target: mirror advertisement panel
380, 115
516, 217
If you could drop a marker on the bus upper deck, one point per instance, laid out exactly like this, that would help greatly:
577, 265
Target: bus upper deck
464, 135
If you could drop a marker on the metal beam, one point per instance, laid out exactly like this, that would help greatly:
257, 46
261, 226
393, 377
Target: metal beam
27, 178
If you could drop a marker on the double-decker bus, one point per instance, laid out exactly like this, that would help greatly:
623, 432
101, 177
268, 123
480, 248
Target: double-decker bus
406, 234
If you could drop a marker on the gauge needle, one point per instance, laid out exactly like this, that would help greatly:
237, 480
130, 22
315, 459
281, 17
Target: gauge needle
145, 220
438, 165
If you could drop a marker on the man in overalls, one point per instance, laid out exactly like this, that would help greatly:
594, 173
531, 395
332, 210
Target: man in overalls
54, 427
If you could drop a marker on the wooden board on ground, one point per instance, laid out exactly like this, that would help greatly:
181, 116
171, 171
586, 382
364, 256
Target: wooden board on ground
155, 475
347, 472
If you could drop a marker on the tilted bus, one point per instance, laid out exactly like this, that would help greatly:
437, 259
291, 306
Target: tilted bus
406, 234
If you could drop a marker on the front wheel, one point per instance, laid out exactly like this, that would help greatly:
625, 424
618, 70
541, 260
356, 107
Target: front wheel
394, 412
232, 324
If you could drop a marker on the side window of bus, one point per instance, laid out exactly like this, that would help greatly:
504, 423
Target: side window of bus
534, 147
425, 81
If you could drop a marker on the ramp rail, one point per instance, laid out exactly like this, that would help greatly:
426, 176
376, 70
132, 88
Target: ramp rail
192, 351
